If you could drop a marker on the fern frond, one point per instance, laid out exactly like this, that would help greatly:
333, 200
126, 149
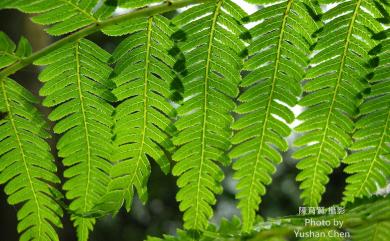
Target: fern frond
377, 216
26, 165
76, 83
369, 163
10, 53
211, 48
333, 83
142, 74
64, 16
127, 27
227, 230
277, 58
372, 232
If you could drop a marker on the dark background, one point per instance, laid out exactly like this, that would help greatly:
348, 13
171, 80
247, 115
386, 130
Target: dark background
161, 214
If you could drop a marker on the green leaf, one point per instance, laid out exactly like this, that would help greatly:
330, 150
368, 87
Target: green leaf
143, 72
77, 85
9, 53
106, 10
136, 3
277, 59
369, 163
24, 48
333, 83
26, 165
126, 27
227, 230
377, 231
6, 44
64, 16
377, 214
211, 48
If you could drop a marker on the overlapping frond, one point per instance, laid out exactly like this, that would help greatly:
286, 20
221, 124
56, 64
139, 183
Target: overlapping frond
76, 84
211, 49
10, 53
26, 165
369, 163
333, 82
373, 232
142, 74
278, 56
377, 214
64, 16
227, 230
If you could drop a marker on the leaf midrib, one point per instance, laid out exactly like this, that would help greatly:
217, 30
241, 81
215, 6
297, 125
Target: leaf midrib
23, 155
375, 232
86, 132
335, 92
205, 103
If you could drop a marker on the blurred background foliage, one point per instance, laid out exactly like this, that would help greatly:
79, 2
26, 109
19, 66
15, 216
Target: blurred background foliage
161, 214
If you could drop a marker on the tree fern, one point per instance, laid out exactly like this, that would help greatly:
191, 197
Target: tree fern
77, 85
212, 72
112, 123
278, 56
369, 162
332, 86
143, 72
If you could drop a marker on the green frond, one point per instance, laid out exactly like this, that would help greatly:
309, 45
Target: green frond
125, 28
26, 165
333, 82
369, 162
211, 48
377, 226
63, 16
76, 84
10, 53
227, 230
143, 73
372, 232
277, 59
